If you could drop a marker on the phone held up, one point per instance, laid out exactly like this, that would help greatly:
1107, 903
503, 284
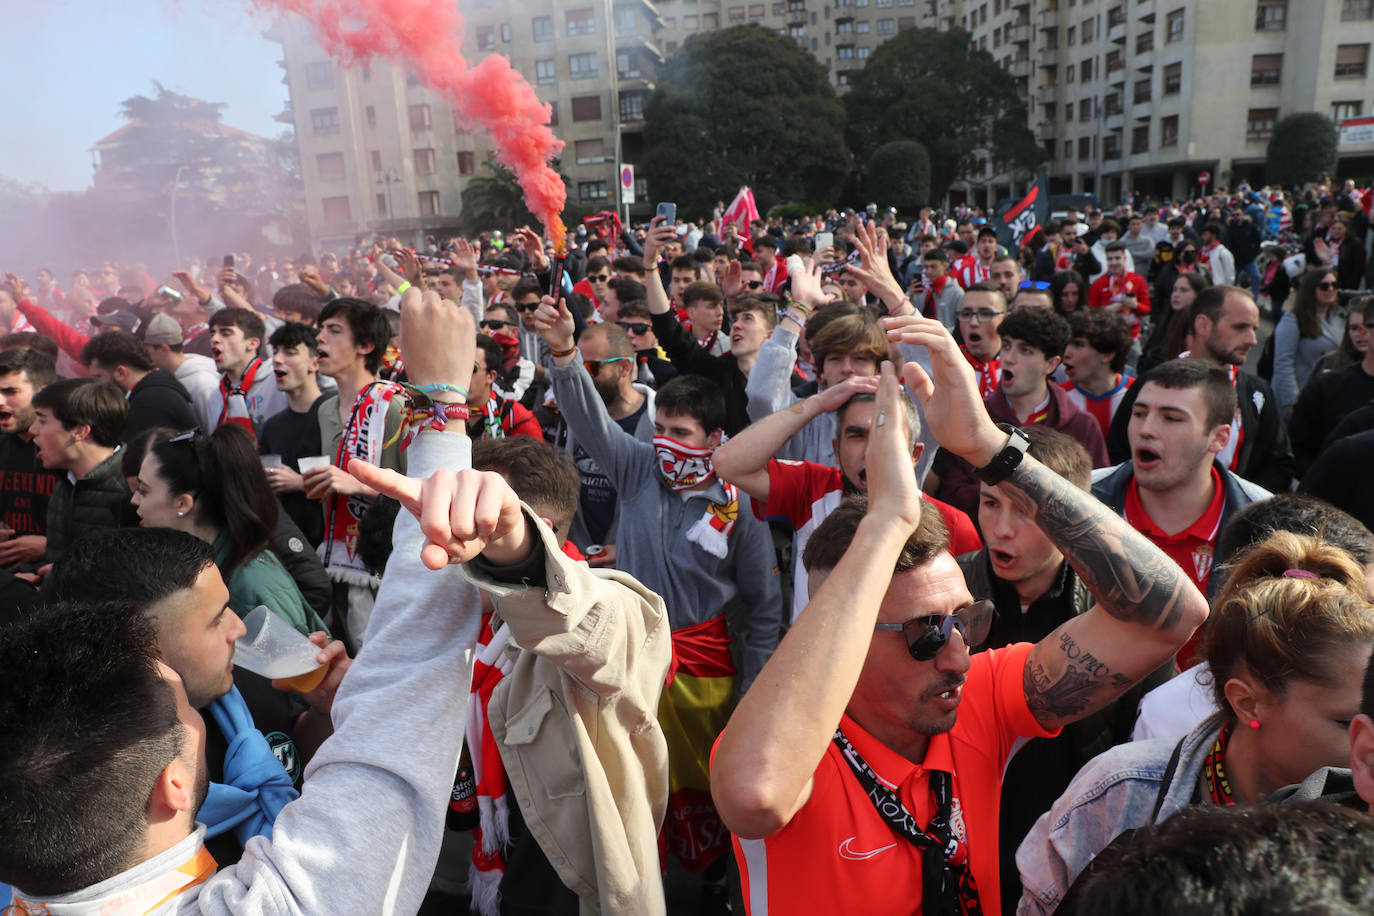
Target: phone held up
668, 212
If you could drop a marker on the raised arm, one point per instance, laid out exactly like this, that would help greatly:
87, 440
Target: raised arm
657, 236
761, 773
744, 459
1146, 607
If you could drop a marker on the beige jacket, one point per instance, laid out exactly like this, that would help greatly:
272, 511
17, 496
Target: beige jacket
577, 723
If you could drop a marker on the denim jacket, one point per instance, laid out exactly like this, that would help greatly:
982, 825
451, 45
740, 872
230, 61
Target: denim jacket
1117, 791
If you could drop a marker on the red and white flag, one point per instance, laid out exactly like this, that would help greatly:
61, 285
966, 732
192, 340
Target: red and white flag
742, 210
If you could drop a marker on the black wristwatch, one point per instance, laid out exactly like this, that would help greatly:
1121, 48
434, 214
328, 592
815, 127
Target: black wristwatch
1001, 466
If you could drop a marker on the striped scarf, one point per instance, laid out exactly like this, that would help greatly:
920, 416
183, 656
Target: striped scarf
235, 409
492, 835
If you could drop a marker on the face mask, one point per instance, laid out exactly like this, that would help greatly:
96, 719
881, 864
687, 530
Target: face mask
682, 466
1188, 257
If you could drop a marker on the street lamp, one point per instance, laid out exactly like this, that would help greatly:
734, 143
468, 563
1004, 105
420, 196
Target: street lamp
388, 178
172, 215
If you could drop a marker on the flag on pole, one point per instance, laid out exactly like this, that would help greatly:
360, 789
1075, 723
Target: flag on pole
742, 210
1017, 223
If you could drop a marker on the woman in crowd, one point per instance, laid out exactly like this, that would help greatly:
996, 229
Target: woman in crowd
1288, 641
1068, 291
1169, 325
1354, 342
1310, 328
214, 488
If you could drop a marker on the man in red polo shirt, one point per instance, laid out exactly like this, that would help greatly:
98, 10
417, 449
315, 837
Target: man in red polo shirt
805, 492
1118, 290
1173, 489
865, 691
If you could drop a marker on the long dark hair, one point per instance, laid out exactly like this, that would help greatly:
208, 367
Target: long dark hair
1063, 279
1305, 304
224, 474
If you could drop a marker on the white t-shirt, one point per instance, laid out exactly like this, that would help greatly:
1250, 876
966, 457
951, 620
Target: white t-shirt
1175, 707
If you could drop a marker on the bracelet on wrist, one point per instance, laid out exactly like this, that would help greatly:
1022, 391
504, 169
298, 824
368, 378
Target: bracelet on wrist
436, 416
559, 354
460, 390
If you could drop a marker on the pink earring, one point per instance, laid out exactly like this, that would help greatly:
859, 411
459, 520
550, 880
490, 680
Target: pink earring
1255, 723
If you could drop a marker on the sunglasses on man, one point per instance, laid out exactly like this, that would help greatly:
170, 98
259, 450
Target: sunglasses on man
493, 324
598, 278
593, 366
635, 327
927, 635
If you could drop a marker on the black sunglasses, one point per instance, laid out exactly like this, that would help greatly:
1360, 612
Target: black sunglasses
926, 636
754, 284
598, 278
1326, 286
493, 324
635, 327
527, 307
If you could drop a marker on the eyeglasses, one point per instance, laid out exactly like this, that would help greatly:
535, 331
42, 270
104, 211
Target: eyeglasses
635, 327
492, 324
926, 636
977, 314
1035, 284
598, 278
1326, 286
594, 365
526, 307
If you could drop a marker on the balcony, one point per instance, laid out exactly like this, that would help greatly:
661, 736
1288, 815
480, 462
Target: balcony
1049, 57
1021, 66
1020, 33
649, 8
286, 116
1048, 19
632, 40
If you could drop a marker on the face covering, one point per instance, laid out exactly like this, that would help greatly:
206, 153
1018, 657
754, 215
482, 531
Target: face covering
1188, 257
682, 466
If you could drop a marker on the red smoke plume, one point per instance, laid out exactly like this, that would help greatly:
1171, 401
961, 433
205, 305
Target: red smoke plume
426, 36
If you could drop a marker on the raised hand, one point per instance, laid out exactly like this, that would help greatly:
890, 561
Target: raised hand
835, 397
658, 236
310, 276
409, 266
438, 340
806, 284
534, 247
893, 492
21, 289
874, 270
730, 281
555, 323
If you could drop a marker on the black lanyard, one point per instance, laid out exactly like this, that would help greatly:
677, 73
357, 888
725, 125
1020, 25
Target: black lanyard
947, 888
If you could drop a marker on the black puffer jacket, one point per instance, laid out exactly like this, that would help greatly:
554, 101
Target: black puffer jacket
98, 500
159, 400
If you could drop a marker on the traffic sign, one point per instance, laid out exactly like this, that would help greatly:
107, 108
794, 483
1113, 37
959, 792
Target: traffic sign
1204, 177
627, 184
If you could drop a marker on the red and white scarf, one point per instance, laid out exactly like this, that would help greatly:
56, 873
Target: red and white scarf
235, 409
363, 437
489, 419
684, 467
492, 835
192, 333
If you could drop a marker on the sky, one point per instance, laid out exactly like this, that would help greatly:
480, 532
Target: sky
68, 65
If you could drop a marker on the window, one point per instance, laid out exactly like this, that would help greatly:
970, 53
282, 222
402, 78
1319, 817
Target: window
710, 20
1073, 35
627, 22
1355, 10
545, 71
1115, 61
419, 117
736, 14
1173, 79
1173, 26
887, 27
467, 163
1352, 60
861, 28
581, 21
543, 28
336, 209
586, 108
779, 9
1140, 138
1145, 41
319, 75
844, 52
329, 166
627, 65
755, 12
1085, 147
842, 79
582, 66
429, 203
1068, 149
1142, 91
370, 113
1271, 16
376, 157
505, 32
424, 161
1112, 104
1116, 16
589, 151
796, 31
844, 28
553, 113
486, 38
1259, 124
381, 205
862, 53
1069, 73
1111, 146
1085, 70
592, 191
367, 73
1087, 30
1342, 111
325, 121
883, 4
632, 107
1085, 109
1266, 69
690, 23
1168, 131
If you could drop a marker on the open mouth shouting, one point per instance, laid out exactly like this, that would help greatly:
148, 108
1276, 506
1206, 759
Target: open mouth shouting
1146, 458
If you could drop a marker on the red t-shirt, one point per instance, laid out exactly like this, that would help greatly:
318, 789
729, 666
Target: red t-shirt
837, 854
1192, 549
804, 493
1101, 407
1107, 289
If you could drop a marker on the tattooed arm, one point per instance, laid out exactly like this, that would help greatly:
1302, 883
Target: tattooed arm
1146, 607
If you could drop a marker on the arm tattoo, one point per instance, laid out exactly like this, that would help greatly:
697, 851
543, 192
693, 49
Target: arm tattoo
1077, 688
1130, 577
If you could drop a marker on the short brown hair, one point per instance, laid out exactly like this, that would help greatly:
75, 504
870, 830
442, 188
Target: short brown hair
831, 539
858, 334
540, 474
766, 305
1061, 453
702, 291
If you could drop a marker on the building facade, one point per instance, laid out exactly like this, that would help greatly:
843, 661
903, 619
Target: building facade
1124, 95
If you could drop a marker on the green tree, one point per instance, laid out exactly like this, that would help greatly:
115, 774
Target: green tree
496, 201
1303, 146
898, 174
929, 86
743, 106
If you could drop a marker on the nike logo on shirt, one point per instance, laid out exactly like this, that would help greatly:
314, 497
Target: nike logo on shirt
847, 851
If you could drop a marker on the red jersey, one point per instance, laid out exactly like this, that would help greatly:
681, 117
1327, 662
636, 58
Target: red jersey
1107, 289
968, 270
1101, 407
804, 493
838, 855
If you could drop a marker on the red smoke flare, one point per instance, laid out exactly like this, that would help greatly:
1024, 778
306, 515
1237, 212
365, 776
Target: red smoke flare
426, 36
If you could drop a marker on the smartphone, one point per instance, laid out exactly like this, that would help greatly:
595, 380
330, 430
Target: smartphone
229, 261
669, 212
825, 240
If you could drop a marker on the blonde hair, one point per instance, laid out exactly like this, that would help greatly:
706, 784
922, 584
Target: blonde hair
1281, 624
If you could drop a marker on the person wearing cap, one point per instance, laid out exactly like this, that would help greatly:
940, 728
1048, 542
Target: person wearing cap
197, 374
155, 396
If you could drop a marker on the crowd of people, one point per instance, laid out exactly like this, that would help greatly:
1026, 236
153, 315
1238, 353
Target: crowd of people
847, 563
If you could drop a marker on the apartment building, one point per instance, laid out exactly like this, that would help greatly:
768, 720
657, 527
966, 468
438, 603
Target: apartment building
1150, 94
